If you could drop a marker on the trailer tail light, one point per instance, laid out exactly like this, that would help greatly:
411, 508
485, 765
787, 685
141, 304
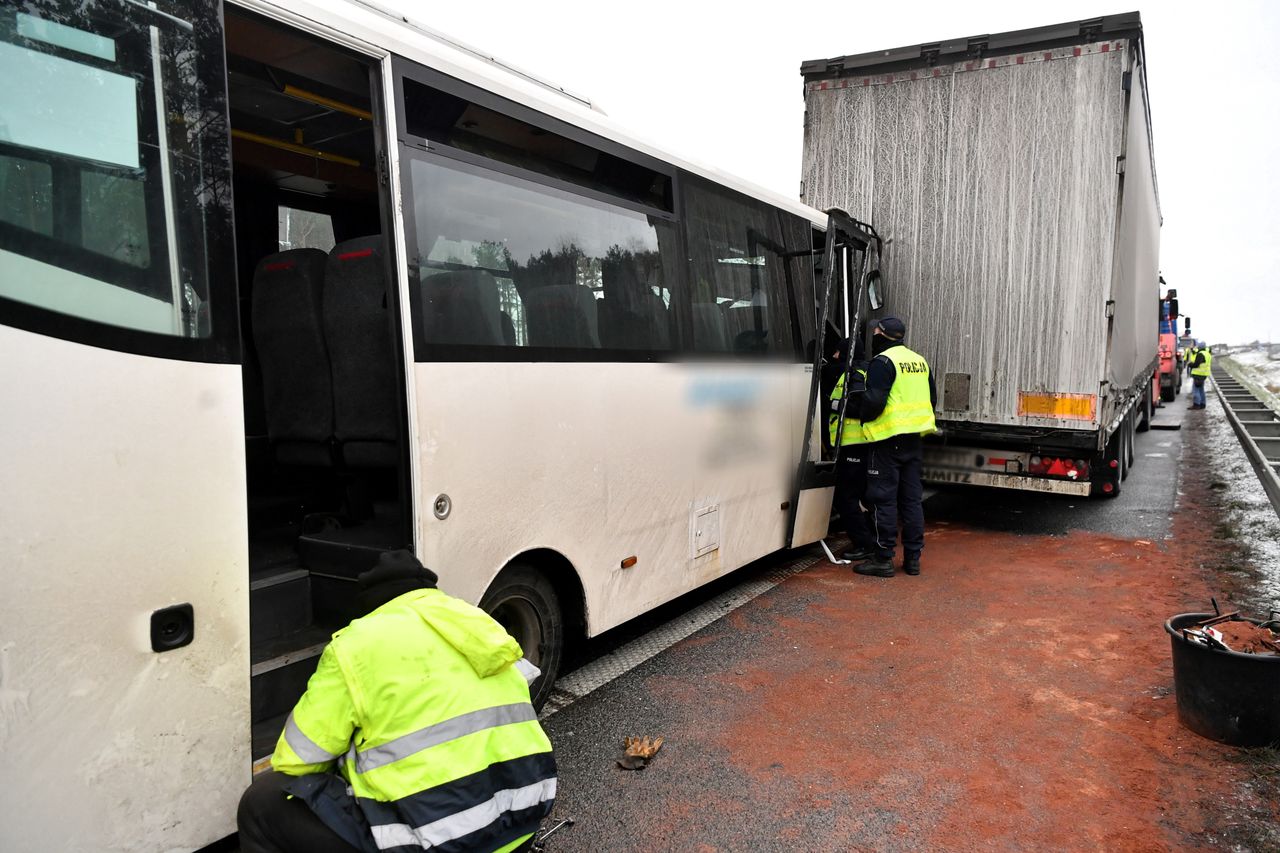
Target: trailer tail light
1108, 488
1054, 466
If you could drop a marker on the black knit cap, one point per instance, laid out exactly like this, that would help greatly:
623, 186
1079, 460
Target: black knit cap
395, 573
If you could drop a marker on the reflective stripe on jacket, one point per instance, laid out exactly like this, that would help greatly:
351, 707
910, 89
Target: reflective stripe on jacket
909, 408
1203, 368
424, 704
852, 432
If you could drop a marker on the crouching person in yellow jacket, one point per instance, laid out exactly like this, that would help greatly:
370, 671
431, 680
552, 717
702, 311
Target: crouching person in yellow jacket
415, 731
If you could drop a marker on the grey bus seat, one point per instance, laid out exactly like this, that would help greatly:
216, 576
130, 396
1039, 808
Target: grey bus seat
562, 315
636, 323
710, 329
362, 351
288, 331
461, 307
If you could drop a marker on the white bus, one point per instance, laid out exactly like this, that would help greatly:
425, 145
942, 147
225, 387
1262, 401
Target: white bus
284, 285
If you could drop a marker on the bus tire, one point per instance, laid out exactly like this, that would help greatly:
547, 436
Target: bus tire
524, 602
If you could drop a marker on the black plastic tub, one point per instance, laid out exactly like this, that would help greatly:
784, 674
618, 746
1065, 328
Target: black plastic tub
1226, 696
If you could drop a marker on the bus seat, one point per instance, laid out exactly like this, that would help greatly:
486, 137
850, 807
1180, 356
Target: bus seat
710, 329
461, 307
288, 333
562, 315
640, 324
362, 353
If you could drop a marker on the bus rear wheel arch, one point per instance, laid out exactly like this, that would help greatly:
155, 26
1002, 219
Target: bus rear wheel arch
540, 605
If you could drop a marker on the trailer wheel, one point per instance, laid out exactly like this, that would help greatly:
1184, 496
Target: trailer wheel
1144, 415
523, 601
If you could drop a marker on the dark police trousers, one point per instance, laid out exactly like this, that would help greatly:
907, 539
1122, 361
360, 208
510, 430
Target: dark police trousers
851, 487
894, 493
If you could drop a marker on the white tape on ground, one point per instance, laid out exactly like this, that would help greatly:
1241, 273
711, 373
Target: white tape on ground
602, 670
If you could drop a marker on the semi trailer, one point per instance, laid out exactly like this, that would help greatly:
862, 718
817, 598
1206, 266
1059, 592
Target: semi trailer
1012, 179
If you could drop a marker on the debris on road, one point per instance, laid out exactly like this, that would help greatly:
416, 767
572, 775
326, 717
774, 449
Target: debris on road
540, 841
639, 751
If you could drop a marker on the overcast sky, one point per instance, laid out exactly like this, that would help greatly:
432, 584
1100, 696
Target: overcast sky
719, 83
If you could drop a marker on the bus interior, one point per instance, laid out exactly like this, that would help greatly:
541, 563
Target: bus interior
323, 369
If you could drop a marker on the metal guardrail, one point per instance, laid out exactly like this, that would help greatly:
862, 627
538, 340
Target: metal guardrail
1257, 426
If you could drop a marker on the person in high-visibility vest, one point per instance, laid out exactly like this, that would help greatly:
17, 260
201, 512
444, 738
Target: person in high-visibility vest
415, 732
851, 469
1201, 361
896, 412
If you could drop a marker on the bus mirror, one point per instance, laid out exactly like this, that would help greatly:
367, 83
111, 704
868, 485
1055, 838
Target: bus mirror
875, 290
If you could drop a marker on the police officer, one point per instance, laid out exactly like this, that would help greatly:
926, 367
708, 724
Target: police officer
424, 707
851, 469
1201, 362
896, 411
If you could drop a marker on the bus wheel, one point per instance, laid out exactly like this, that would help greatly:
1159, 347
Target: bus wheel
522, 600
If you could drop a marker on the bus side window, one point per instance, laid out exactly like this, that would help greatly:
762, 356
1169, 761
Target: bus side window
539, 267
105, 199
741, 302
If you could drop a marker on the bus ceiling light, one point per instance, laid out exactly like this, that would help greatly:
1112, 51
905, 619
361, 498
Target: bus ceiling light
629, 562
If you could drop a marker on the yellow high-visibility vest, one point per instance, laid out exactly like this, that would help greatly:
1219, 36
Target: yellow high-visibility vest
909, 409
1203, 369
424, 704
852, 433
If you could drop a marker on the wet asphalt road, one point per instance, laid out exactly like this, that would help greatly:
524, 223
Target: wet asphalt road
618, 810
1143, 508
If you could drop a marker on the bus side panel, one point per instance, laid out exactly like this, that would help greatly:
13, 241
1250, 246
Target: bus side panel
123, 494
601, 462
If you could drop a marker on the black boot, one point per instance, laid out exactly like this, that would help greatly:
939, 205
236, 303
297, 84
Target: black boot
911, 564
858, 553
875, 567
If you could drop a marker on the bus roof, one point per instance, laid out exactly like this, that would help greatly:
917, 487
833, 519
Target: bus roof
367, 24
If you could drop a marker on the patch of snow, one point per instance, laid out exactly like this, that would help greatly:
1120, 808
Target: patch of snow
1247, 507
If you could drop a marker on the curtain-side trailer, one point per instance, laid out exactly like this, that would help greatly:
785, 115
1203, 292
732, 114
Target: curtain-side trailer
1013, 180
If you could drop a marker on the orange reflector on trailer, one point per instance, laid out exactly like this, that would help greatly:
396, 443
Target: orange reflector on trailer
629, 562
1076, 407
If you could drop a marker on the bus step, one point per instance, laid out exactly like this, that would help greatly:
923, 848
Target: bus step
281, 668
279, 602
265, 734
348, 551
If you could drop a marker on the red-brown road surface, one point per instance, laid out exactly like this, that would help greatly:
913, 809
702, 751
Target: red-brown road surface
1015, 696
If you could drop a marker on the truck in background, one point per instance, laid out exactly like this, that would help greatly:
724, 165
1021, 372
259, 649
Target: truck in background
1170, 373
1012, 178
